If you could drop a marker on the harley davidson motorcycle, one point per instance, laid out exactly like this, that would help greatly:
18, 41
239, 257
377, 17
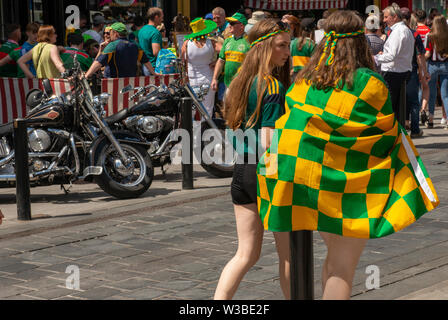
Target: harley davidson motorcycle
69, 141
157, 117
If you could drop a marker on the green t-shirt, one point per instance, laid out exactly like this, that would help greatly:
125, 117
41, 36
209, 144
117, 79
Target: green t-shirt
233, 52
83, 58
15, 55
301, 57
146, 37
9, 70
272, 108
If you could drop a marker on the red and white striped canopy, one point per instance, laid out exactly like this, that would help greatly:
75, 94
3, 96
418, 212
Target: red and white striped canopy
279, 5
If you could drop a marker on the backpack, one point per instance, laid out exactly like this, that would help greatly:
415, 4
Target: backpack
164, 62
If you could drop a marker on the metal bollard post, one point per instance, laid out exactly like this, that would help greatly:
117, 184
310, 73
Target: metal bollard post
302, 265
21, 167
187, 124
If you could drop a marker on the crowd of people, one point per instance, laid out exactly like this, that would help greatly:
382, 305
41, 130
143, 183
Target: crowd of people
323, 99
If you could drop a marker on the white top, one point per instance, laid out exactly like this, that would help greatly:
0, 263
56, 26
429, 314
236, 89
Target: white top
199, 60
398, 50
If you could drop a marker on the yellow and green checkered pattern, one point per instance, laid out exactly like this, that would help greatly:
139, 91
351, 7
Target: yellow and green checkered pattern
338, 164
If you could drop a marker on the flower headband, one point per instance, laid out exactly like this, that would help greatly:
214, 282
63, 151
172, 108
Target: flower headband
333, 37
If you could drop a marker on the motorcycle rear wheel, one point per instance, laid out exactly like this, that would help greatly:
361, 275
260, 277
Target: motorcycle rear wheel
117, 183
222, 169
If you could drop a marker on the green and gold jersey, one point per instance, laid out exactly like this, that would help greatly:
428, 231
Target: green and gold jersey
248, 140
341, 163
233, 52
301, 57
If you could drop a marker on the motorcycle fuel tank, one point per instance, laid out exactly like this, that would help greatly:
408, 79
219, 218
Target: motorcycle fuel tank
53, 113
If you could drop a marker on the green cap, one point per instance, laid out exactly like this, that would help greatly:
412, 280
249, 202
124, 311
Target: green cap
119, 27
238, 17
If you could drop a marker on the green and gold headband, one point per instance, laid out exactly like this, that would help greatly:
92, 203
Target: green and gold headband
266, 37
333, 37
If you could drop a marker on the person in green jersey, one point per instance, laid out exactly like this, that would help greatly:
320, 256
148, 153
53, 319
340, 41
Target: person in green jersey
254, 102
75, 43
13, 33
14, 56
302, 47
233, 51
150, 39
341, 164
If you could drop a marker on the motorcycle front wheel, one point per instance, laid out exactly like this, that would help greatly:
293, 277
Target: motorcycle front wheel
120, 180
215, 156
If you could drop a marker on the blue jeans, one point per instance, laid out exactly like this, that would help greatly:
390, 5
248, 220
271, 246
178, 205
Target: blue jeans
438, 71
412, 101
221, 90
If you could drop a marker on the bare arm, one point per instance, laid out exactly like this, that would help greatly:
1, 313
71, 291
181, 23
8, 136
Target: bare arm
149, 66
218, 69
155, 49
54, 54
5, 60
93, 68
22, 64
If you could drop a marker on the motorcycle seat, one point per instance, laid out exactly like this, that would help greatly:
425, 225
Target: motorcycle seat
120, 115
6, 128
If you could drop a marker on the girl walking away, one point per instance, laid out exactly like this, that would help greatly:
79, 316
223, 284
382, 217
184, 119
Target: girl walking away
340, 163
437, 55
254, 102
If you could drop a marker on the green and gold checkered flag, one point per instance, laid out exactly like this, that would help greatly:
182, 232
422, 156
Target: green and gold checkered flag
340, 163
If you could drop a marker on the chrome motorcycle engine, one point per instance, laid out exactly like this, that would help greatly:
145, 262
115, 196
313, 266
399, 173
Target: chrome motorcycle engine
4, 147
39, 140
146, 125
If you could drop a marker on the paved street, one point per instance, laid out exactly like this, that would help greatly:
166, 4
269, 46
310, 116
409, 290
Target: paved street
172, 244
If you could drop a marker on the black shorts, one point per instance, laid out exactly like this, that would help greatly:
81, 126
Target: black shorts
244, 184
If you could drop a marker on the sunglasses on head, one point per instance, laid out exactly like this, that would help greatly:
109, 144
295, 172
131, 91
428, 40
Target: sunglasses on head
283, 25
234, 23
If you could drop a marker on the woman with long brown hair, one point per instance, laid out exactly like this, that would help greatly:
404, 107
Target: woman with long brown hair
437, 55
255, 100
45, 56
341, 163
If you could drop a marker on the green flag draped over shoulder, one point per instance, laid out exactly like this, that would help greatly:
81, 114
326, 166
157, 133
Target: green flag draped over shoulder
341, 163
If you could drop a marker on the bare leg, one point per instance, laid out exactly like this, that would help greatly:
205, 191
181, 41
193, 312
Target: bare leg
340, 265
282, 244
250, 237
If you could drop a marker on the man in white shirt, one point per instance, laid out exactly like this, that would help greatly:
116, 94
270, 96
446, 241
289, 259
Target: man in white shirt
396, 58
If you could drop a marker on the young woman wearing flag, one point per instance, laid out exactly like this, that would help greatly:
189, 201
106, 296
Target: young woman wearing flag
254, 102
341, 163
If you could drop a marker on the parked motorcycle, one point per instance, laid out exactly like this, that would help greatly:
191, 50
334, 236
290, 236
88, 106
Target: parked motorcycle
69, 141
156, 117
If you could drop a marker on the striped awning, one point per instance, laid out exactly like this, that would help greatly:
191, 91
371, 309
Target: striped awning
279, 5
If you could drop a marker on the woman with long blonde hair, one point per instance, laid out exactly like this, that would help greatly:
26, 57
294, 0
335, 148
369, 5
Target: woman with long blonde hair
437, 55
255, 100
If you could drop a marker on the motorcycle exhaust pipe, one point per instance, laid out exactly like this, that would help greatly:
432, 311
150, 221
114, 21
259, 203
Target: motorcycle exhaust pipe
7, 159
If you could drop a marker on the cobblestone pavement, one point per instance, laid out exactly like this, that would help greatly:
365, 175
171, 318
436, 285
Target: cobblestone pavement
178, 252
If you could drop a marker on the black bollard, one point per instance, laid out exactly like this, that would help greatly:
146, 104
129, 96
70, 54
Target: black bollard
21, 167
302, 265
402, 106
187, 124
